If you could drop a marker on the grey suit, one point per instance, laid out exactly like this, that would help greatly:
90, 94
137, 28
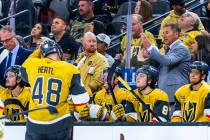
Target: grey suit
174, 67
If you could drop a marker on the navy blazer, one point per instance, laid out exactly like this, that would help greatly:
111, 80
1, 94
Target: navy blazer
22, 55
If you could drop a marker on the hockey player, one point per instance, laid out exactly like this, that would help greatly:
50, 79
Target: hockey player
155, 99
104, 97
53, 83
16, 95
193, 100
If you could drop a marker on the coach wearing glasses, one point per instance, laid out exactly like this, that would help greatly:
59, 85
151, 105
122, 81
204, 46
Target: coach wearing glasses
11, 53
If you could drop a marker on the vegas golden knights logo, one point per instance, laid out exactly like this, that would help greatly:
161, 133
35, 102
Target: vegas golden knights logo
13, 106
144, 114
189, 112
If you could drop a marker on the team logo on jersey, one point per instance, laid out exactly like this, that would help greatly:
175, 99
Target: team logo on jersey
189, 111
144, 114
13, 106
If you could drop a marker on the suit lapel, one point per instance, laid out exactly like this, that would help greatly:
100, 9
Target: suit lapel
174, 46
2, 66
17, 59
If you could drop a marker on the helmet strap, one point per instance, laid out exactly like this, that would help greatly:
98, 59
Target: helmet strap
194, 84
13, 87
144, 86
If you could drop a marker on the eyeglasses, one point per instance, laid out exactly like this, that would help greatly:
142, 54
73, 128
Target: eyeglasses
6, 40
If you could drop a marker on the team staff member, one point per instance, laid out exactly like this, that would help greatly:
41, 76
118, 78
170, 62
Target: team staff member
16, 95
92, 64
53, 83
193, 100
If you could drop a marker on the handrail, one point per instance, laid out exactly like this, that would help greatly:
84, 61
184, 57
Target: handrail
15, 15
153, 20
26, 37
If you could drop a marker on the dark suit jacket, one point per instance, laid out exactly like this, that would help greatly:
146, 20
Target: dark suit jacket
22, 55
174, 68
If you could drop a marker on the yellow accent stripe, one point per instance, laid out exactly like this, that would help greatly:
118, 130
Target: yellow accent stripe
124, 83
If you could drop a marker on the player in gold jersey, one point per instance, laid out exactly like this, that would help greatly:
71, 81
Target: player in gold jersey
53, 83
155, 99
16, 95
193, 100
104, 97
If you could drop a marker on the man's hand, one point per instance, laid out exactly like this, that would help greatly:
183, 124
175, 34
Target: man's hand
145, 53
145, 42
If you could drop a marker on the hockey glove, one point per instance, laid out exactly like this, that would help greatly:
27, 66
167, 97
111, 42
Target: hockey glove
85, 112
118, 112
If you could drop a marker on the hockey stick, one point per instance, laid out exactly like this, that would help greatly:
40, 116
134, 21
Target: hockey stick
109, 78
125, 84
52, 110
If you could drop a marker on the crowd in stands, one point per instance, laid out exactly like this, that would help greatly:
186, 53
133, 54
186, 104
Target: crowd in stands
171, 76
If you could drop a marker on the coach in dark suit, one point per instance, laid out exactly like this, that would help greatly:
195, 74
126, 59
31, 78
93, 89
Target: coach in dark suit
11, 53
174, 64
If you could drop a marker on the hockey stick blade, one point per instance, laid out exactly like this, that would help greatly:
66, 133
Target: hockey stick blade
52, 110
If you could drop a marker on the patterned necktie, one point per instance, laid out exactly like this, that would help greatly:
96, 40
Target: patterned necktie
166, 50
9, 61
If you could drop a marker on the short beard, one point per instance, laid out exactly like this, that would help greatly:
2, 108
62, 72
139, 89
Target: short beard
11, 87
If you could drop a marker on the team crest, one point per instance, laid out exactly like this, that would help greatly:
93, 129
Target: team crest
189, 111
144, 114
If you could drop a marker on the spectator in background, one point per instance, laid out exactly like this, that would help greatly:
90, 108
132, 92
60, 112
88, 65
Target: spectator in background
144, 9
24, 22
201, 49
12, 52
137, 51
174, 65
188, 23
92, 64
208, 9
103, 42
179, 9
21, 41
62, 37
86, 16
96, 27
38, 31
